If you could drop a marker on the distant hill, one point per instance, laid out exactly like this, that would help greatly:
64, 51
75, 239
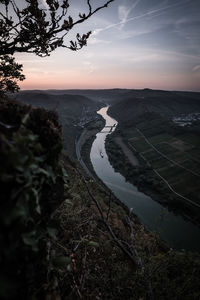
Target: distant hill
103, 95
137, 102
115, 95
53, 101
126, 104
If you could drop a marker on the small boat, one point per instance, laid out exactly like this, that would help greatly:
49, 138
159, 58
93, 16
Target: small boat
101, 153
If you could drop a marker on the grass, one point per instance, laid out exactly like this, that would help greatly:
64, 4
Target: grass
161, 138
140, 144
195, 153
165, 148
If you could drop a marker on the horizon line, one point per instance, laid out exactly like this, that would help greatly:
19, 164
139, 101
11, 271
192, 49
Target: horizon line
114, 88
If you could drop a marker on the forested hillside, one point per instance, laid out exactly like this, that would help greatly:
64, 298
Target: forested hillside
74, 111
137, 102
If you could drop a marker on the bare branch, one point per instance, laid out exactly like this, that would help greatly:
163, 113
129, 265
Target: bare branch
109, 204
90, 7
110, 231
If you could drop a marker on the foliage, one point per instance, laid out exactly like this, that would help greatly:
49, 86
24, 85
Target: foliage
32, 186
32, 27
98, 269
175, 275
29, 27
10, 73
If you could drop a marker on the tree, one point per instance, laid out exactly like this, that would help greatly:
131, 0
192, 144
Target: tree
38, 30
10, 72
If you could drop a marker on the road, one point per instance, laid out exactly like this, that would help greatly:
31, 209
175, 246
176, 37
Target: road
78, 154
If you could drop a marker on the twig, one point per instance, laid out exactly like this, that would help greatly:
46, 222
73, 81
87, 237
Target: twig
82, 280
132, 247
108, 212
116, 240
140, 262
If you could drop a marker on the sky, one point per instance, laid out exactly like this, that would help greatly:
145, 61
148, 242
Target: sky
135, 44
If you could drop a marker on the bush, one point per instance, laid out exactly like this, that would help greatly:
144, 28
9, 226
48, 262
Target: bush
32, 186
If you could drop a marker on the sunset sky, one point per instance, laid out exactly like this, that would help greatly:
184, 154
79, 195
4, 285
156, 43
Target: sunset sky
135, 44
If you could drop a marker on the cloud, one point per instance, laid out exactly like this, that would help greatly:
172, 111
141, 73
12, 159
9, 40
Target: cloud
94, 41
135, 33
153, 13
88, 67
124, 11
196, 68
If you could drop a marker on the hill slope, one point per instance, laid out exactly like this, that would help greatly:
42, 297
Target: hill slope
73, 112
168, 104
169, 154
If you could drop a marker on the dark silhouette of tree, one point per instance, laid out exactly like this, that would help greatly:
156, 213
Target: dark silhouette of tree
27, 26
10, 73
39, 30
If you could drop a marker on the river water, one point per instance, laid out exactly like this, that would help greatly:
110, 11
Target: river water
173, 229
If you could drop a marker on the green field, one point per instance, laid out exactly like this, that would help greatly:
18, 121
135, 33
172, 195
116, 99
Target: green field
173, 156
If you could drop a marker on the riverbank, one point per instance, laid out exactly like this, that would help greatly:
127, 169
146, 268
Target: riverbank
168, 156
89, 137
156, 217
85, 145
136, 174
98, 268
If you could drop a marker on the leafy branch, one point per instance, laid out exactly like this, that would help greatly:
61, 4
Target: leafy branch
39, 30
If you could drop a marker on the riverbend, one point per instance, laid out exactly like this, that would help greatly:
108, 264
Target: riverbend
173, 229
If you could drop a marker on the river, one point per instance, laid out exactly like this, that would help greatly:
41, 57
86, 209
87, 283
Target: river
173, 229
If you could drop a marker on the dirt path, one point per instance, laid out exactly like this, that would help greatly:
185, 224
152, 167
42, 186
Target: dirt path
129, 154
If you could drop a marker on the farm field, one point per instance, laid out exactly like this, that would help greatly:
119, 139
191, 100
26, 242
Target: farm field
169, 158
176, 164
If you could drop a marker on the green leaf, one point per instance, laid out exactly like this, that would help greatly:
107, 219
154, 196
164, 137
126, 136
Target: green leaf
61, 262
25, 119
65, 175
67, 201
52, 232
93, 244
31, 240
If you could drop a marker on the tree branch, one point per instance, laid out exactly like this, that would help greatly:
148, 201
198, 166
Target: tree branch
112, 234
36, 30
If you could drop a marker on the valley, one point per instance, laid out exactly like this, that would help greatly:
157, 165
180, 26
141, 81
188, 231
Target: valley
148, 148
101, 194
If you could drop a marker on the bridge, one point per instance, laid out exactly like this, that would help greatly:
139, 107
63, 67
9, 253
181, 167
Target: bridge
111, 129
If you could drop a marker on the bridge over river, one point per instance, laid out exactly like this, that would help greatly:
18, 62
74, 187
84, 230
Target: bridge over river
109, 131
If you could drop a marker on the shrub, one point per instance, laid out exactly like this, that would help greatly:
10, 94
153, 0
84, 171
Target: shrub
32, 186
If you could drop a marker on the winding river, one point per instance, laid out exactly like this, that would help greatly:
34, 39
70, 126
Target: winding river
173, 229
